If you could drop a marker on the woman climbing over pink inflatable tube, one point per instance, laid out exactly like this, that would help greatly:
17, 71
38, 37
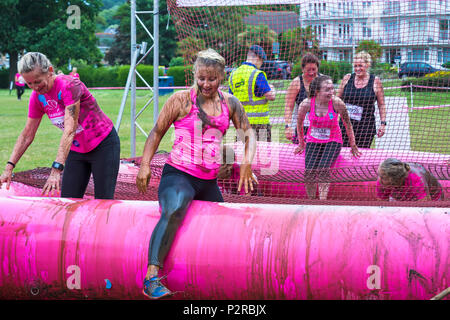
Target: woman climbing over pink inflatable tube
188, 173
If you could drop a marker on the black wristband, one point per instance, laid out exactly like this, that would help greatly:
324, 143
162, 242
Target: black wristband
58, 166
286, 126
13, 164
383, 122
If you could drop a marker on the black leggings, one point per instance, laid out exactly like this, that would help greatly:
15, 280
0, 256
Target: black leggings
20, 91
103, 162
176, 191
318, 159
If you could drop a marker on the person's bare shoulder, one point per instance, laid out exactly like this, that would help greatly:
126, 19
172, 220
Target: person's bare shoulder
179, 99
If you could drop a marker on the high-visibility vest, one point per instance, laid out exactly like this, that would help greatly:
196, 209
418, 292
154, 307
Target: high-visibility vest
242, 83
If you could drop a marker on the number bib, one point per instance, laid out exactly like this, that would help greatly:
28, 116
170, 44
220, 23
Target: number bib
355, 112
59, 122
320, 133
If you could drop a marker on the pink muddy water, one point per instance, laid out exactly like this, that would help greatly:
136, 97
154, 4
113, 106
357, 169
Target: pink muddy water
52, 248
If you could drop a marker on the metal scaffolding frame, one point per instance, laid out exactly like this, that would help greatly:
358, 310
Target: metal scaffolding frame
136, 51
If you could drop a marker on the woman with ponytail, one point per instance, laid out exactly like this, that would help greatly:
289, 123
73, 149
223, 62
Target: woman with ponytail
201, 117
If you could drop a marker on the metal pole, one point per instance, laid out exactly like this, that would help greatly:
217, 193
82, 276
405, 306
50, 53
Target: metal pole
133, 80
127, 89
412, 101
155, 60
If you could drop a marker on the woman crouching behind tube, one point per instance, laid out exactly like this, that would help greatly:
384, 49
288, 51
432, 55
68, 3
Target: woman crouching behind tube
404, 181
324, 138
201, 116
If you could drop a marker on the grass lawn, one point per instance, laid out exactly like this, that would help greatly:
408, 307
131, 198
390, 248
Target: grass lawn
429, 128
42, 151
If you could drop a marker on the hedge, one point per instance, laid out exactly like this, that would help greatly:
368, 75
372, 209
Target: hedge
4, 78
116, 76
179, 75
442, 82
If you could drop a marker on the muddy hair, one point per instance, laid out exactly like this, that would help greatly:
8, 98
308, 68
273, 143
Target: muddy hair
395, 169
208, 58
315, 85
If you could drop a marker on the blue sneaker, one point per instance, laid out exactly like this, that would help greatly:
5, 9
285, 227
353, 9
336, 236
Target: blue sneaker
154, 289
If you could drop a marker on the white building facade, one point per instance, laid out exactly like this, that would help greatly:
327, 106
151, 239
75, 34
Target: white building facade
407, 30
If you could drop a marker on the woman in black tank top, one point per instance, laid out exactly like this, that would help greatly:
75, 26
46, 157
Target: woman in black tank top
359, 91
296, 93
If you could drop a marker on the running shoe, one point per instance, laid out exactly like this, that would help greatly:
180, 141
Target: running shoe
154, 289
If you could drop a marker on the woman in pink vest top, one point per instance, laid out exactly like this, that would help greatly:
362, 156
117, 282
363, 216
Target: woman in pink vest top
201, 116
324, 138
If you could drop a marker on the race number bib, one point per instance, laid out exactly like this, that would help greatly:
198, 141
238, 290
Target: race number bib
355, 112
320, 133
59, 122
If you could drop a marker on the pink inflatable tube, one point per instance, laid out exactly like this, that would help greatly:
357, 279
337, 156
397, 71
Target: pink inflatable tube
52, 248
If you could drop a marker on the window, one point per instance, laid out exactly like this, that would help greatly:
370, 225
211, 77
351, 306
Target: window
345, 30
443, 55
392, 32
392, 7
366, 30
418, 55
418, 28
366, 5
321, 31
422, 5
440, 55
412, 5
444, 29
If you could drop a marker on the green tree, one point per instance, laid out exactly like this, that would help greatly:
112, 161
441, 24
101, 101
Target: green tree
24, 24
296, 42
260, 35
371, 47
119, 52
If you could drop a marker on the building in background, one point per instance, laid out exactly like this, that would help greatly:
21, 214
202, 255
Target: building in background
411, 30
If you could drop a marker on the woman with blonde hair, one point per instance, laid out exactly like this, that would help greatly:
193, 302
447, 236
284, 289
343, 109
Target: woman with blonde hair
359, 91
89, 144
201, 117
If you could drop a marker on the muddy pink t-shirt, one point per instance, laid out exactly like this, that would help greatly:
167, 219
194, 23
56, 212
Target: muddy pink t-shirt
412, 190
93, 124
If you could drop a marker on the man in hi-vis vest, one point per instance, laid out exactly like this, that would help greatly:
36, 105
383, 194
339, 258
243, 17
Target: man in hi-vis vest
250, 86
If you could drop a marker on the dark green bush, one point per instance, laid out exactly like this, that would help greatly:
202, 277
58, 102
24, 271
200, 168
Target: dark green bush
446, 65
179, 75
4, 78
176, 62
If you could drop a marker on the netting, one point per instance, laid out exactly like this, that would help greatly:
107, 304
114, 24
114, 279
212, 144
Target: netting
408, 42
